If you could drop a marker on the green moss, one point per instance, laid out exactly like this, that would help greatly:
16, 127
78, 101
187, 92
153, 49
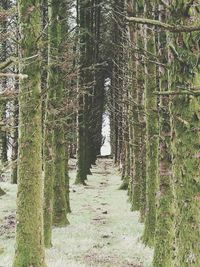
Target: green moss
83, 163
152, 135
55, 136
185, 145
14, 156
1, 250
165, 236
48, 191
4, 85
29, 233
60, 203
140, 74
49, 171
3, 133
135, 181
143, 166
186, 171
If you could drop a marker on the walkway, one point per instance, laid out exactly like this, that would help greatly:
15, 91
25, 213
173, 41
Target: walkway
103, 232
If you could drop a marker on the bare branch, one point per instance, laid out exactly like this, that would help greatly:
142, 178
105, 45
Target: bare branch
21, 76
7, 63
184, 92
163, 25
165, 4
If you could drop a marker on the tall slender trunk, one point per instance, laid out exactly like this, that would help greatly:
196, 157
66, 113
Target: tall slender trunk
49, 168
68, 208
58, 33
29, 236
82, 91
136, 180
152, 130
14, 156
3, 102
140, 78
164, 239
185, 137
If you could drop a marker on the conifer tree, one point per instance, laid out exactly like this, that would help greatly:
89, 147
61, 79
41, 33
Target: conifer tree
164, 235
3, 102
82, 7
49, 168
29, 236
185, 78
151, 128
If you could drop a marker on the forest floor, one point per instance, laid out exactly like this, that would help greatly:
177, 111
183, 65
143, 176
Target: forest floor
103, 232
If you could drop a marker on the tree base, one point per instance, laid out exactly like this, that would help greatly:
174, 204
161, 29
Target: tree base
147, 240
124, 185
89, 172
61, 224
2, 193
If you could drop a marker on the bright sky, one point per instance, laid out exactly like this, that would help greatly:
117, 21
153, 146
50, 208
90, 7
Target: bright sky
106, 149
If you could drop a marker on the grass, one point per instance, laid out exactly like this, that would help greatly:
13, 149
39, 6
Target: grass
102, 231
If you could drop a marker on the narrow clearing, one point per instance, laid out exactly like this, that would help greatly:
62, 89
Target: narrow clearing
102, 231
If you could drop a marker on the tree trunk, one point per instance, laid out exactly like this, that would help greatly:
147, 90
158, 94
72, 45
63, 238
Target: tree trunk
84, 90
3, 102
185, 138
29, 236
152, 130
14, 157
49, 153
164, 238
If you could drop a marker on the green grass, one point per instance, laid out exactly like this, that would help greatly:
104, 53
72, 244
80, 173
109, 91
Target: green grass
102, 231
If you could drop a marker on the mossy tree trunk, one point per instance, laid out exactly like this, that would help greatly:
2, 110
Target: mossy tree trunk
58, 33
117, 105
29, 236
15, 131
152, 129
140, 76
60, 203
164, 238
140, 125
14, 156
90, 89
67, 185
89, 82
3, 103
135, 102
95, 81
49, 168
3, 133
82, 163
185, 136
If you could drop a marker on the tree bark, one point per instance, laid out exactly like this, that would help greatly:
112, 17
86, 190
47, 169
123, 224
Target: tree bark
152, 131
29, 236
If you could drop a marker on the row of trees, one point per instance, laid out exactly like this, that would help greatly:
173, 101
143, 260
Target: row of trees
156, 139
53, 77
149, 51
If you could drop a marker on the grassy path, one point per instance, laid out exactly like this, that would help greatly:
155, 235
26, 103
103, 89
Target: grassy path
102, 231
